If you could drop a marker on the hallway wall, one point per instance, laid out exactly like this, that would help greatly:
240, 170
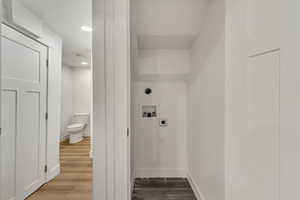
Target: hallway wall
259, 29
206, 107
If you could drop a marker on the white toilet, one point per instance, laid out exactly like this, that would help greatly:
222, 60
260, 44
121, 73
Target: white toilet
78, 128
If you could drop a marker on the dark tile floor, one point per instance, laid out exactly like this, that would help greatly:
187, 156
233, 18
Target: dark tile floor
162, 189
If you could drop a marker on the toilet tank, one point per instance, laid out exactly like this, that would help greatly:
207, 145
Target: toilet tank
83, 118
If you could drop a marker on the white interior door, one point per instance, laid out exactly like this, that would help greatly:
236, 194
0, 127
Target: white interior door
24, 72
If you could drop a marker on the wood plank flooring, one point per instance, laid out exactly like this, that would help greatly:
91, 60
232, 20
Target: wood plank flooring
75, 180
162, 189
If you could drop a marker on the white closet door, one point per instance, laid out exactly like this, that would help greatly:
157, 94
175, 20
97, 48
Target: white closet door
24, 74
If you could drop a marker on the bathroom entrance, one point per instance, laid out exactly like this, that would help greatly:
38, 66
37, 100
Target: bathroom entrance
46, 93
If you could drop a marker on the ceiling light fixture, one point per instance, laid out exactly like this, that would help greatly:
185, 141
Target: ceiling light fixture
84, 63
87, 28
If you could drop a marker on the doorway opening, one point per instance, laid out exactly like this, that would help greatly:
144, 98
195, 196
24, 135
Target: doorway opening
177, 98
46, 143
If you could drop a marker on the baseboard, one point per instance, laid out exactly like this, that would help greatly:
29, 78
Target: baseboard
55, 171
91, 154
156, 173
195, 187
64, 138
131, 187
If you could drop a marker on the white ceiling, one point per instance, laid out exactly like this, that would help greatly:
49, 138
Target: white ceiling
65, 17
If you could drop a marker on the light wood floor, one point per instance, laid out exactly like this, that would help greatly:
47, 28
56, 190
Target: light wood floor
75, 180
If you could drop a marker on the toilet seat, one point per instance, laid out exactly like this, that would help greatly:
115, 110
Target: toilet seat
75, 127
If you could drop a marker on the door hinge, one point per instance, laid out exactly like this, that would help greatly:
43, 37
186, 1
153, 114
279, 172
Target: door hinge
46, 116
128, 132
46, 169
47, 63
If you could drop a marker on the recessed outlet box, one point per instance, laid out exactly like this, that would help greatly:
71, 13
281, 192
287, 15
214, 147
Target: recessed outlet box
149, 111
163, 122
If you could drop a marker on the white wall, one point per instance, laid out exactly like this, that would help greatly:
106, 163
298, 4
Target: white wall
2, 13
81, 90
168, 17
163, 62
76, 95
255, 27
206, 107
67, 100
160, 151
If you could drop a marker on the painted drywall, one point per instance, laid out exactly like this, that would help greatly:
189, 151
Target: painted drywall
76, 95
160, 151
168, 17
82, 87
261, 28
67, 100
163, 62
161, 65
206, 166
81, 90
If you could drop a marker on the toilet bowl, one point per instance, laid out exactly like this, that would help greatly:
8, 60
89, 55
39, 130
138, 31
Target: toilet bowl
77, 128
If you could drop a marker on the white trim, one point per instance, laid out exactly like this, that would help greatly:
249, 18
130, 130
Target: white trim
132, 186
1, 19
99, 115
156, 173
82, 114
91, 154
110, 52
195, 187
55, 171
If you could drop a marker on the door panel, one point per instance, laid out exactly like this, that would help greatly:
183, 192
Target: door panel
9, 117
260, 166
29, 144
24, 66
16, 69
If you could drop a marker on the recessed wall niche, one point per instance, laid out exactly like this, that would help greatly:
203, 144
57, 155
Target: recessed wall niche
149, 111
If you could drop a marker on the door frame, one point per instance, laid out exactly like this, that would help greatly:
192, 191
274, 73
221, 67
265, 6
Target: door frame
107, 23
111, 96
1, 19
53, 42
